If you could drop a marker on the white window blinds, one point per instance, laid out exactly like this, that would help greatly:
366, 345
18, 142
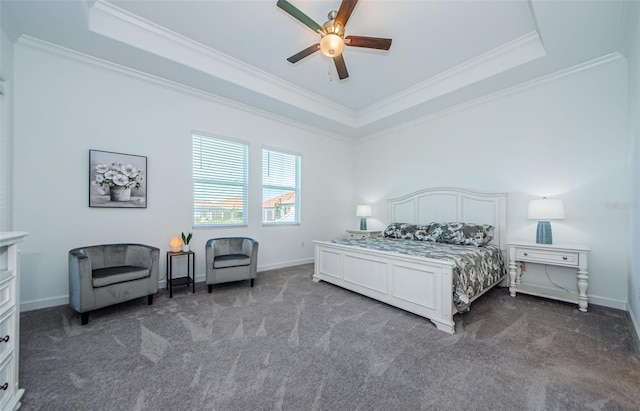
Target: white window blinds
280, 187
220, 180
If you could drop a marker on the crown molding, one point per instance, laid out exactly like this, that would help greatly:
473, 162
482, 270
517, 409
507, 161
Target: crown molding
579, 68
118, 24
65, 53
515, 53
113, 22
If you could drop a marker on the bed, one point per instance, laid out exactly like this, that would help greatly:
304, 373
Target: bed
407, 279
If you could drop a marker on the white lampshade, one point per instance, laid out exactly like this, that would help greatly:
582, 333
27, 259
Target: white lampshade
546, 209
363, 210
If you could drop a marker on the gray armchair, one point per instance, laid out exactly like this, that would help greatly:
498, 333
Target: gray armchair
231, 259
103, 275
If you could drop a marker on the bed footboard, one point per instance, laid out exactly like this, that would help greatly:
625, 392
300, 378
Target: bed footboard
422, 286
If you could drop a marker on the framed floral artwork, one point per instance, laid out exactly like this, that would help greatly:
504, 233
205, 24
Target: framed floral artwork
117, 180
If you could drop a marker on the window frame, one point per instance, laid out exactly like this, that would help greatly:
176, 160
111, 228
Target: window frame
297, 188
244, 183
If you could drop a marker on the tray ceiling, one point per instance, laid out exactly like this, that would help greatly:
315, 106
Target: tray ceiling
443, 53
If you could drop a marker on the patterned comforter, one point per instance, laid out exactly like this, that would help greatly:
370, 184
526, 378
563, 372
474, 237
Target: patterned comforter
475, 268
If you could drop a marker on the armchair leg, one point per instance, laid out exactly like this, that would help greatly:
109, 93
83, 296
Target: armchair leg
252, 282
84, 318
150, 299
210, 287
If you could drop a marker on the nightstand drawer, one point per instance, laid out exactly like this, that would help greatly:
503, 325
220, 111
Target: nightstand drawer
553, 257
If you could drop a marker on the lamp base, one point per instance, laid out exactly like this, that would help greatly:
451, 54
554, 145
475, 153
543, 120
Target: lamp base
363, 223
543, 233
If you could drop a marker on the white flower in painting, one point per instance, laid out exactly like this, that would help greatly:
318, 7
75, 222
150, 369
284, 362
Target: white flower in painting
120, 180
102, 168
113, 173
129, 170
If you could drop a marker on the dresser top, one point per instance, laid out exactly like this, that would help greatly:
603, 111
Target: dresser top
559, 246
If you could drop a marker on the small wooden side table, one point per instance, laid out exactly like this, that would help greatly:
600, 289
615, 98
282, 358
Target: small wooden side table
190, 278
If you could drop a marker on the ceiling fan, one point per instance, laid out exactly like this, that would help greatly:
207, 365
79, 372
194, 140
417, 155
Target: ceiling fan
332, 39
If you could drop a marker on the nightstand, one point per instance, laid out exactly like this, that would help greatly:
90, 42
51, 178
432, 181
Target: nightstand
562, 255
362, 233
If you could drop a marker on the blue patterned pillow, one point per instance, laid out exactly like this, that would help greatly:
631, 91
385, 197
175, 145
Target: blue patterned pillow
462, 233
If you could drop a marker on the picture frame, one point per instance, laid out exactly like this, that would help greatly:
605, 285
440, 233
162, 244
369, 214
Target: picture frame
117, 180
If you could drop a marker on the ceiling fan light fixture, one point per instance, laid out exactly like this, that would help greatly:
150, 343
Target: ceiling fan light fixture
331, 45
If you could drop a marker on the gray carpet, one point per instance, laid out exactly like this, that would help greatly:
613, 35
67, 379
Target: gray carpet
292, 344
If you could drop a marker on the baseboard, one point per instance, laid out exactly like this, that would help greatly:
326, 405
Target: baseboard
162, 284
286, 264
44, 303
636, 328
608, 302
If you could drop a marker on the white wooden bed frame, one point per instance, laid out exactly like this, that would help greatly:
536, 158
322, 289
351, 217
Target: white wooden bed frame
420, 285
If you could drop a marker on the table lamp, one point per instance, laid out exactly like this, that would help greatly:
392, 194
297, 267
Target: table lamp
175, 244
544, 210
363, 211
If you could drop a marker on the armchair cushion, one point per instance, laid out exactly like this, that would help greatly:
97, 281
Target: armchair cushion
231, 260
113, 275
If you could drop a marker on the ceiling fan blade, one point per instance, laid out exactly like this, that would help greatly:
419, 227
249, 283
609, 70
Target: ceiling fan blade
368, 42
298, 15
304, 53
341, 67
346, 7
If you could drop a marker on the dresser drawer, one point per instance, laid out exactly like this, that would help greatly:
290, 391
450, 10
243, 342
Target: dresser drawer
547, 256
7, 382
357, 236
7, 294
7, 333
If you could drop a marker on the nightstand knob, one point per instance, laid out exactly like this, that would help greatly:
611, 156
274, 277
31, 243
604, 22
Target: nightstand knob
526, 254
564, 258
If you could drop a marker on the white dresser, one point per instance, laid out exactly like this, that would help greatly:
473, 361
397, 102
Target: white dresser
10, 393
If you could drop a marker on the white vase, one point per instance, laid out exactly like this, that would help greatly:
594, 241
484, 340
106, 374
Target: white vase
120, 193
186, 248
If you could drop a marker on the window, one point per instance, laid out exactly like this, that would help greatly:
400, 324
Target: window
220, 180
280, 187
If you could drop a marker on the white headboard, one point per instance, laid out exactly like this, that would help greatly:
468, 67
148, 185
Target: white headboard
444, 204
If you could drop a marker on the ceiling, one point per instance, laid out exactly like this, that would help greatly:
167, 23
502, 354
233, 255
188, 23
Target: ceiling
444, 52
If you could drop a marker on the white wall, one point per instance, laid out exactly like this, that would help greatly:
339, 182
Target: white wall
634, 132
65, 106
6, 132
564, 137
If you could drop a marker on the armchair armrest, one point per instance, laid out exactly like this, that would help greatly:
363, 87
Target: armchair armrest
80, 280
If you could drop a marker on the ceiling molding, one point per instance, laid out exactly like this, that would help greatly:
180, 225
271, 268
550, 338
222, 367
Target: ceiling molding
65, 53
588, 65
515, 53
118, 24
113, 22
